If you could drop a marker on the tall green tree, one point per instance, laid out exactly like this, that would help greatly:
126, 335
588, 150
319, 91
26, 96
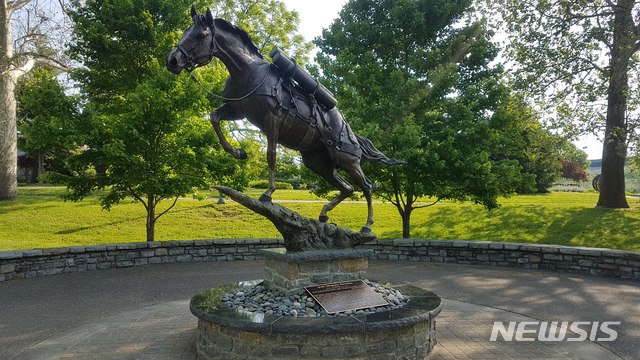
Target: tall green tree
581, 58
148, 136
415, 77
46, 116
25, 33
537, 150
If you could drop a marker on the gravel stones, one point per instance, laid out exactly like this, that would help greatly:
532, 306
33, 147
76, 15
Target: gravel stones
259, 299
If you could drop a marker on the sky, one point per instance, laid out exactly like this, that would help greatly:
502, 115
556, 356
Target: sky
316, 15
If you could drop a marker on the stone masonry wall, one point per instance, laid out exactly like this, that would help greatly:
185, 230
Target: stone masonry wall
42, 262
592, 261
221, 343
601, 262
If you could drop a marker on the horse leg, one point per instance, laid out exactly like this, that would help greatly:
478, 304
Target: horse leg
215, 119
320, 164
355, 171
272, 143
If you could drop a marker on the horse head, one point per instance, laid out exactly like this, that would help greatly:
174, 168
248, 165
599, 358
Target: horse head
197, 46
209, 37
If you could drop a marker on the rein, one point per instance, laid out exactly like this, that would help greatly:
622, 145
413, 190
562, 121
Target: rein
223, 98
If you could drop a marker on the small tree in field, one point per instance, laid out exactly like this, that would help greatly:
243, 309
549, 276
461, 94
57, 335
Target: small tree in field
147, 133
415, 78
146, 137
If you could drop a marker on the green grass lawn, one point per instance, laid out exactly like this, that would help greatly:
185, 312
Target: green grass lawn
39, 219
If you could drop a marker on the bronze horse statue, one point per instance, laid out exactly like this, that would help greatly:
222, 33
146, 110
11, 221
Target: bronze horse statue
282, 110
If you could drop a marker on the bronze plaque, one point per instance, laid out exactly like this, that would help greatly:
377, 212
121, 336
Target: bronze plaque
345, 295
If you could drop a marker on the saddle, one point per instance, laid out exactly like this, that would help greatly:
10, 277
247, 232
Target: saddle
268, 81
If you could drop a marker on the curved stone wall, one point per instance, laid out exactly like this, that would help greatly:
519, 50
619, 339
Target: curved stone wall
42, 262
592, 261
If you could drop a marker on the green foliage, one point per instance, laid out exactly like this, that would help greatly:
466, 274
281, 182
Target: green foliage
564, 49
263, 184
268, 22
415, 77
524, 139
46, 117
52, 178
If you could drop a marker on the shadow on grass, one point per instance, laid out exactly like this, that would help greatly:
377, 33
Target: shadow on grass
97, 226
571, 226
608, 228
8, 208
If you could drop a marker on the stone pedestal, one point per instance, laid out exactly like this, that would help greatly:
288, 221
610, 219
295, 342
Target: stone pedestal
289, 272
405, 333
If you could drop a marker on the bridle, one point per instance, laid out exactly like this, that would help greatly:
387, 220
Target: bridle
191, 63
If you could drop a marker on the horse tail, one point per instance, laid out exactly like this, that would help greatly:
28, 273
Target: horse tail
370, 153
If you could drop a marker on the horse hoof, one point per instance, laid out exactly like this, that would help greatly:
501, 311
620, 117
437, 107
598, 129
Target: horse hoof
323, 218
365, 230
242, 155
265, 198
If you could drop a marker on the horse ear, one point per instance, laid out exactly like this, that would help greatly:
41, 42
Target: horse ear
193, 11
209, 17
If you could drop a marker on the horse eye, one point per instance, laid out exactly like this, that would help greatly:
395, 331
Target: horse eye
201, 35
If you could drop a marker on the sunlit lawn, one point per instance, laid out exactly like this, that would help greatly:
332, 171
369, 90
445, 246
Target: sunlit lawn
39, 219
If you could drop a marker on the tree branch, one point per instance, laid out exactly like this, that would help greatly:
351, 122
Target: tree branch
427, 205
16, 5
30, 59
137, 197
167, 210
28, 37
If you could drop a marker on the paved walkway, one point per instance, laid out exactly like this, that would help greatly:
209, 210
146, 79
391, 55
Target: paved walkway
142, 313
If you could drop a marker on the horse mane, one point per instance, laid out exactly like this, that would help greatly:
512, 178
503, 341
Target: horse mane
243, 35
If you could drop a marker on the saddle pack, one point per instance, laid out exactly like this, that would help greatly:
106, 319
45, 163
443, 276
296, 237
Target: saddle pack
303, 97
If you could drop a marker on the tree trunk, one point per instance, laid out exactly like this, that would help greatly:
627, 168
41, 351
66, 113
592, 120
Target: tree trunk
151, 217
614, 152
406, 222
8, 132
41, 159
8, 139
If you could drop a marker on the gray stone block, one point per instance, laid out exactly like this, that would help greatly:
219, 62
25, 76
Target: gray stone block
184, 258
7, 268
130, 246
439, 243
30, 253
590, 252
511, 246
226, 242
403, 242
460, 244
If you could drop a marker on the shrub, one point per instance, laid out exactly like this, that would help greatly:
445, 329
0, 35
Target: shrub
51, 178
263, 184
